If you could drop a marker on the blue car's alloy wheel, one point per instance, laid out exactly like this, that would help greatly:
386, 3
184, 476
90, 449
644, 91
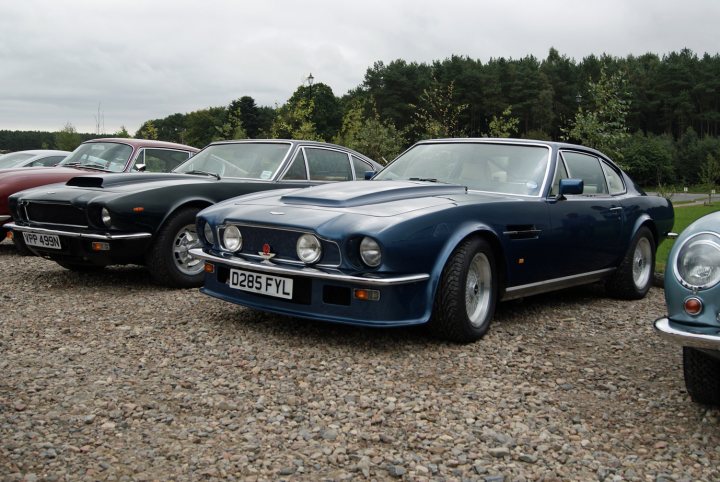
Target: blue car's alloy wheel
633, 278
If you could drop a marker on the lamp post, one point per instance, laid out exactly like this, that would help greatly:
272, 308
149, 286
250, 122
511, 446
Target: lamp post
310, 80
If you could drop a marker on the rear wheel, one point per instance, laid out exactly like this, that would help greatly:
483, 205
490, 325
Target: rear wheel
634, 276
169, 260
702, 376
467, 294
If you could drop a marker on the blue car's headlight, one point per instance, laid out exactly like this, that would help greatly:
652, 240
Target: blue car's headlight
308, 248
698, 261
232, 238
208, 233
370, 252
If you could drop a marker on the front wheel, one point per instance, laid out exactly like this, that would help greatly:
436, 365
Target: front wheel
701, 376
466, 296
169, 259
634, 276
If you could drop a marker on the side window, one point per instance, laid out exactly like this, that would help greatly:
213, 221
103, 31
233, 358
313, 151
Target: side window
162, 160
297, 171
361, 167
587, 168
328, 165
47, 161
614, 181
560, 173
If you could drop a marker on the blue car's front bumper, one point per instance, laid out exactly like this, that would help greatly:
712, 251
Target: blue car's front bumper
326, 295
708, 338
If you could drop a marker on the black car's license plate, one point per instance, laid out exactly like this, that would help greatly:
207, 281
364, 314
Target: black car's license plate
38, 240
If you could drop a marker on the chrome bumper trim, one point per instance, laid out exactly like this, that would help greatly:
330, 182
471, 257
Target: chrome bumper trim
696, 340
71, 234
4, 218
308, 272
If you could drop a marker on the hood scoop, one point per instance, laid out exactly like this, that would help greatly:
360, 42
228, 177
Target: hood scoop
109, 180
359, 193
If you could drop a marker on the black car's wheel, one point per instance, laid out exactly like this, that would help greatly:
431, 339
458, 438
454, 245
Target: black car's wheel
465, 300
169, 260
20, 245
701, 376
634, 276
80, 267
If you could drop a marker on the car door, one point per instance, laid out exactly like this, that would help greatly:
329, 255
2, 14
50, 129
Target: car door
586, 229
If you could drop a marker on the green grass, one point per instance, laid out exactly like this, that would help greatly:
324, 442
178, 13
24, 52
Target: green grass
684, 216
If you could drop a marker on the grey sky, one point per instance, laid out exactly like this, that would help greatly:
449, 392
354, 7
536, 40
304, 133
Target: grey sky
141, 60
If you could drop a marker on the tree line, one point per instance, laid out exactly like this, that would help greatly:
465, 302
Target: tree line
658, 116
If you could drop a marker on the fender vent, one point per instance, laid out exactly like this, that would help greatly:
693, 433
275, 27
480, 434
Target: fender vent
521, 231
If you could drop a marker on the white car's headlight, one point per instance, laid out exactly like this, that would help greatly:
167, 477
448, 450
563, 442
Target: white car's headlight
232, 238
698, 261
370, 252
308, 248
105, 216
208, 233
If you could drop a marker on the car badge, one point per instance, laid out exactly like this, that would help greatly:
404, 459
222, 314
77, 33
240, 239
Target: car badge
265, 253
50, 192
277, 213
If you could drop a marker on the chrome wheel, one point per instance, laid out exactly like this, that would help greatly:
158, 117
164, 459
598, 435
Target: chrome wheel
642, 263
478, 289
184, 241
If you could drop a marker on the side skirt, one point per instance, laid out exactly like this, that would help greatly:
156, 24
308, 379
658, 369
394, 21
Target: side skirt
521, 291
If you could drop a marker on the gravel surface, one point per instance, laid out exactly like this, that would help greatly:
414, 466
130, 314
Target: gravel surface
105, 376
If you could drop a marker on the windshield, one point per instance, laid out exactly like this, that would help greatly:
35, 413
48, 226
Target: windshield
490, 167
107, 156
14, 159
252, 160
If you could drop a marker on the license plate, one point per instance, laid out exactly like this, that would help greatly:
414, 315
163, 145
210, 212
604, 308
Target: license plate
261, 283
50, 241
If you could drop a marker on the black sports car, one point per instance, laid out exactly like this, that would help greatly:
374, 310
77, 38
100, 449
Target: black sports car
149, 218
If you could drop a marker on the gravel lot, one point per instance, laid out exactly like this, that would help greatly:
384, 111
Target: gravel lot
108, 377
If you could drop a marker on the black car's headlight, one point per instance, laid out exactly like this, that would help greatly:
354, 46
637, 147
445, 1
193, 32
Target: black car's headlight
232, 238
105, 217
208, 234
370, 252
698, 261
308, 248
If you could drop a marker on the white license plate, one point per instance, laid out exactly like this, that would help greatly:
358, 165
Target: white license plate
261, 283
42, 240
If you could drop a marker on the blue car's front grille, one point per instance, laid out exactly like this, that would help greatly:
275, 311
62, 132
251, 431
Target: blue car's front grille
282, 243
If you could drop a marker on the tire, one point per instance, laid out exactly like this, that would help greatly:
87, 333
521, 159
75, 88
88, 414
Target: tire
20, 245
168, 260
466, 296
80, 267
634, 277
702, 376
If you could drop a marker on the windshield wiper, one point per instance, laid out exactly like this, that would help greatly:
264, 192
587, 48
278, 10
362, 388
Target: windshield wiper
425, 179
204, 173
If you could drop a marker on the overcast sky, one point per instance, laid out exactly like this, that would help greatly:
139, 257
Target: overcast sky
147, 59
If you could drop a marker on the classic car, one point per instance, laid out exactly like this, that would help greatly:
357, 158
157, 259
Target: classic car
692, 294
439, 236
91, 157
32, 158
149, 219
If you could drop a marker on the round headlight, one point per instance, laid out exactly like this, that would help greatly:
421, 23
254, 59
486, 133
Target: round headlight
370, 252
232, 239
208, 233
698, 261
308, 248
105, 216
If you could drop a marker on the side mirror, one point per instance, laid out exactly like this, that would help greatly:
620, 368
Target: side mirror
140, 167
369, 174
571, 186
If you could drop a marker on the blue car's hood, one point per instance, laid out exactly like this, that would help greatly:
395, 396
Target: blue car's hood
364, 193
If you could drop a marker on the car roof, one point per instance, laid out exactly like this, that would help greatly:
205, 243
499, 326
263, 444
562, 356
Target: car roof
296, 142
136, 143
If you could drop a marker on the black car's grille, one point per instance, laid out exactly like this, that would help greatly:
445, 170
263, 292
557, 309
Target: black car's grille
282, 243
49, 213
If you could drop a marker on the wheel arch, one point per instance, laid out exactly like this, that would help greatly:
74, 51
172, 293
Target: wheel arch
192, 203
646, 221
482, 231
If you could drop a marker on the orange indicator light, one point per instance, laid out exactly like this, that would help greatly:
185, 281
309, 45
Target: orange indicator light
209, 268
99, 246
521, 260
366, 295
138, 209
9, 235
693, 306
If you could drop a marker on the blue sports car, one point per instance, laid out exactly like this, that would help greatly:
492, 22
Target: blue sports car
692, 293
439, 236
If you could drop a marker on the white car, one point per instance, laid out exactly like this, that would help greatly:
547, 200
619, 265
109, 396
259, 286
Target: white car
32, 158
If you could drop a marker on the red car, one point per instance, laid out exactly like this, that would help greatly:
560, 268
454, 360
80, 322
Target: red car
91, 157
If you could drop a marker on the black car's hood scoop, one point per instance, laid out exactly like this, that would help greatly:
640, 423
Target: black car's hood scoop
110, 180
358, 193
